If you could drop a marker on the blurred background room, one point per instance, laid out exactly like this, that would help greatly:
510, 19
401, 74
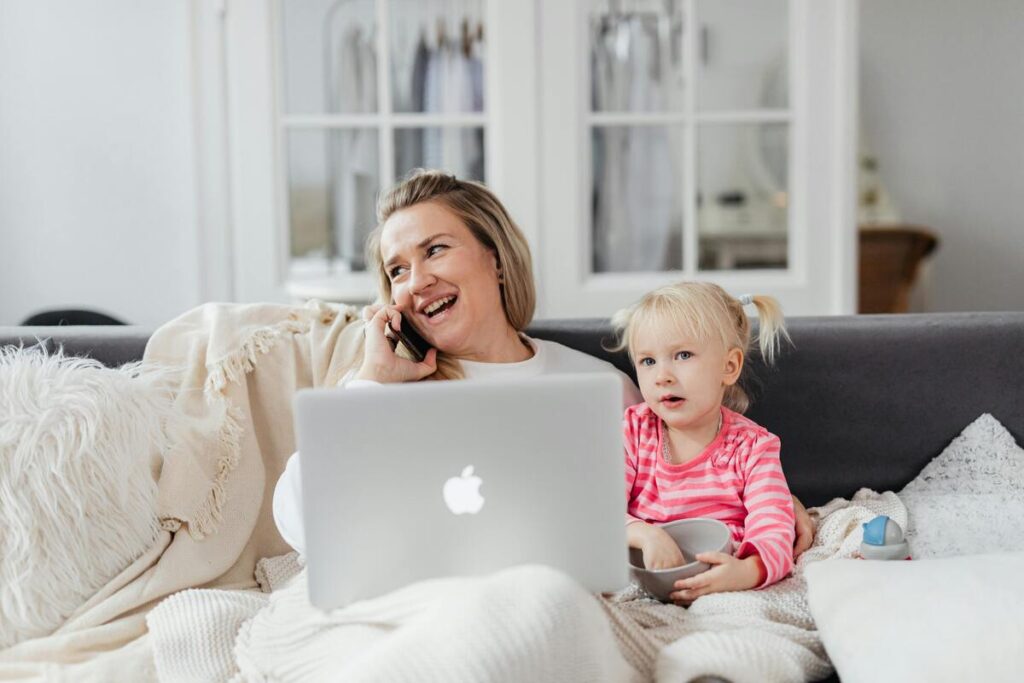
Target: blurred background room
844, 156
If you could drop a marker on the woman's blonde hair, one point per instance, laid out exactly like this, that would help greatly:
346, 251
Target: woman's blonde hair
486, 217
705, 311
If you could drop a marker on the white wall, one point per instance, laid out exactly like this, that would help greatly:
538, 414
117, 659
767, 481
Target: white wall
942, 101
97, 177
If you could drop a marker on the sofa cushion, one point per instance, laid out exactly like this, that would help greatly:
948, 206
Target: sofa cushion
80, 448
970, 498
112, 345
948, 619
953, 611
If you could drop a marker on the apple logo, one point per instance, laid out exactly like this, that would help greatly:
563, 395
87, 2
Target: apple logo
462, 493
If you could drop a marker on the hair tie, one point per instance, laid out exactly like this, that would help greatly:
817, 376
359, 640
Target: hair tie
745, 299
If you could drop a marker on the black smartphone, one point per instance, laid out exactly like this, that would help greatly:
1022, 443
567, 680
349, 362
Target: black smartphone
411, 339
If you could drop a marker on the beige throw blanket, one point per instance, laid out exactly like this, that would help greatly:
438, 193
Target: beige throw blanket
240, 366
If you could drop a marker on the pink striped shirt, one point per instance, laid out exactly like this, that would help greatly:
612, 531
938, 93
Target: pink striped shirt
737, 479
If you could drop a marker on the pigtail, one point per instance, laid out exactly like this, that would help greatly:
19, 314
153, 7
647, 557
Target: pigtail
622, 325
772, 327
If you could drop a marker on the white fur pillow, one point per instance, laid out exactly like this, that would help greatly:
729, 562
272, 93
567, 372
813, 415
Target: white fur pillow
80, 448
970, 498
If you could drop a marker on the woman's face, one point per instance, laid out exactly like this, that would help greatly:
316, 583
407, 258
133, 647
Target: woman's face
443, 279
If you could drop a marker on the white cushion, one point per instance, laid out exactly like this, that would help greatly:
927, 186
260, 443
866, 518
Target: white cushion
951, 619
970, 498
80, 448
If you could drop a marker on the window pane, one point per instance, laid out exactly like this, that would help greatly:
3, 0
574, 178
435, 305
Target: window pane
743, 54
437, 56
637, 198
333, 181
330, 56
636, 57
456, 149
743, 195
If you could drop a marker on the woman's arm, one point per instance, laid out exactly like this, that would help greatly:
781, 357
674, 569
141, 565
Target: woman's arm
288, 505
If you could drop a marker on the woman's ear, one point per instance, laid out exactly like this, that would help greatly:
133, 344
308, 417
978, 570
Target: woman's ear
733, 367
497, 267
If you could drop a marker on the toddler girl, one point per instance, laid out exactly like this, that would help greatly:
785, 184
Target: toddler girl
689, 451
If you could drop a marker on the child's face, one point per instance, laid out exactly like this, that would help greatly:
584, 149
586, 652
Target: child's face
684, 379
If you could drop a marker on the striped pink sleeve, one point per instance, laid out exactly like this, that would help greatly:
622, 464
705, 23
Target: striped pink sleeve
631, 440
769, 527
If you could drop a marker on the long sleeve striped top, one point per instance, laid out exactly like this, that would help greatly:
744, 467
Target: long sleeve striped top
737, 479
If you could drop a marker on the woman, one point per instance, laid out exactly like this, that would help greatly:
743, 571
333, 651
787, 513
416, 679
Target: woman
454, 264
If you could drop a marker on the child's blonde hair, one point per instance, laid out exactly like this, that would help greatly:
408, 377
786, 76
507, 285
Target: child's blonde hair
709, 313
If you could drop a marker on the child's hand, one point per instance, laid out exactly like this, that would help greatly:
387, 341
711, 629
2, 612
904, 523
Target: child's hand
727, 573
660, 551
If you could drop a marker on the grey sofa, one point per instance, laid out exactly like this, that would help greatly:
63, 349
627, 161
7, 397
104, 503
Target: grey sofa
858, 401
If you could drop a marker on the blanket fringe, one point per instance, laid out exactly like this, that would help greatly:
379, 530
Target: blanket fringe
232, 369
205, 520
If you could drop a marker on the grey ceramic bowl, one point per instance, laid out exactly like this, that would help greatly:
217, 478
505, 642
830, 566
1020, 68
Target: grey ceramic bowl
692, 536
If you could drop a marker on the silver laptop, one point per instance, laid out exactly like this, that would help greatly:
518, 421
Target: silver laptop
405, 482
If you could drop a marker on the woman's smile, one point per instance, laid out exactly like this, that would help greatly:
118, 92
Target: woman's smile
438, 310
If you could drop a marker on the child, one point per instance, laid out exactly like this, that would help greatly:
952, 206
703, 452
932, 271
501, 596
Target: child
689, 451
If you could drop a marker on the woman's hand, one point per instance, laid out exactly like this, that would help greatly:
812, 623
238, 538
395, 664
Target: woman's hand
660, 551
380, 362
804, 529
727, 573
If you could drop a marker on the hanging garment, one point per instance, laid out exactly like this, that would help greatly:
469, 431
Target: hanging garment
433, 102
353, 165
409, 141
635, 169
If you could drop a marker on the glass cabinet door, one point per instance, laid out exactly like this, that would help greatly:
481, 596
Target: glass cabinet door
637, 78
742, 121
689, 151
370, 90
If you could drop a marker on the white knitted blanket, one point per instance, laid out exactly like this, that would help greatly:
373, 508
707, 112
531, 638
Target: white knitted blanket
529, 623
523, 624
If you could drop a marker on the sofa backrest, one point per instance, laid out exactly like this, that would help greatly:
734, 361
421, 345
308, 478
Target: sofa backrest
857, 400
868, 400
112, 345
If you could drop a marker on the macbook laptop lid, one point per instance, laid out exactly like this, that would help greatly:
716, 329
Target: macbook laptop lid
405, 482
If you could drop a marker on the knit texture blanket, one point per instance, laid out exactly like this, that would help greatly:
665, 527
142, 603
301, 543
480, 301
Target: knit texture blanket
526, 623
238, 368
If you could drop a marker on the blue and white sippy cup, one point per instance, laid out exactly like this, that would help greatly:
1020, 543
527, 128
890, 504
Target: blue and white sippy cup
883, 540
